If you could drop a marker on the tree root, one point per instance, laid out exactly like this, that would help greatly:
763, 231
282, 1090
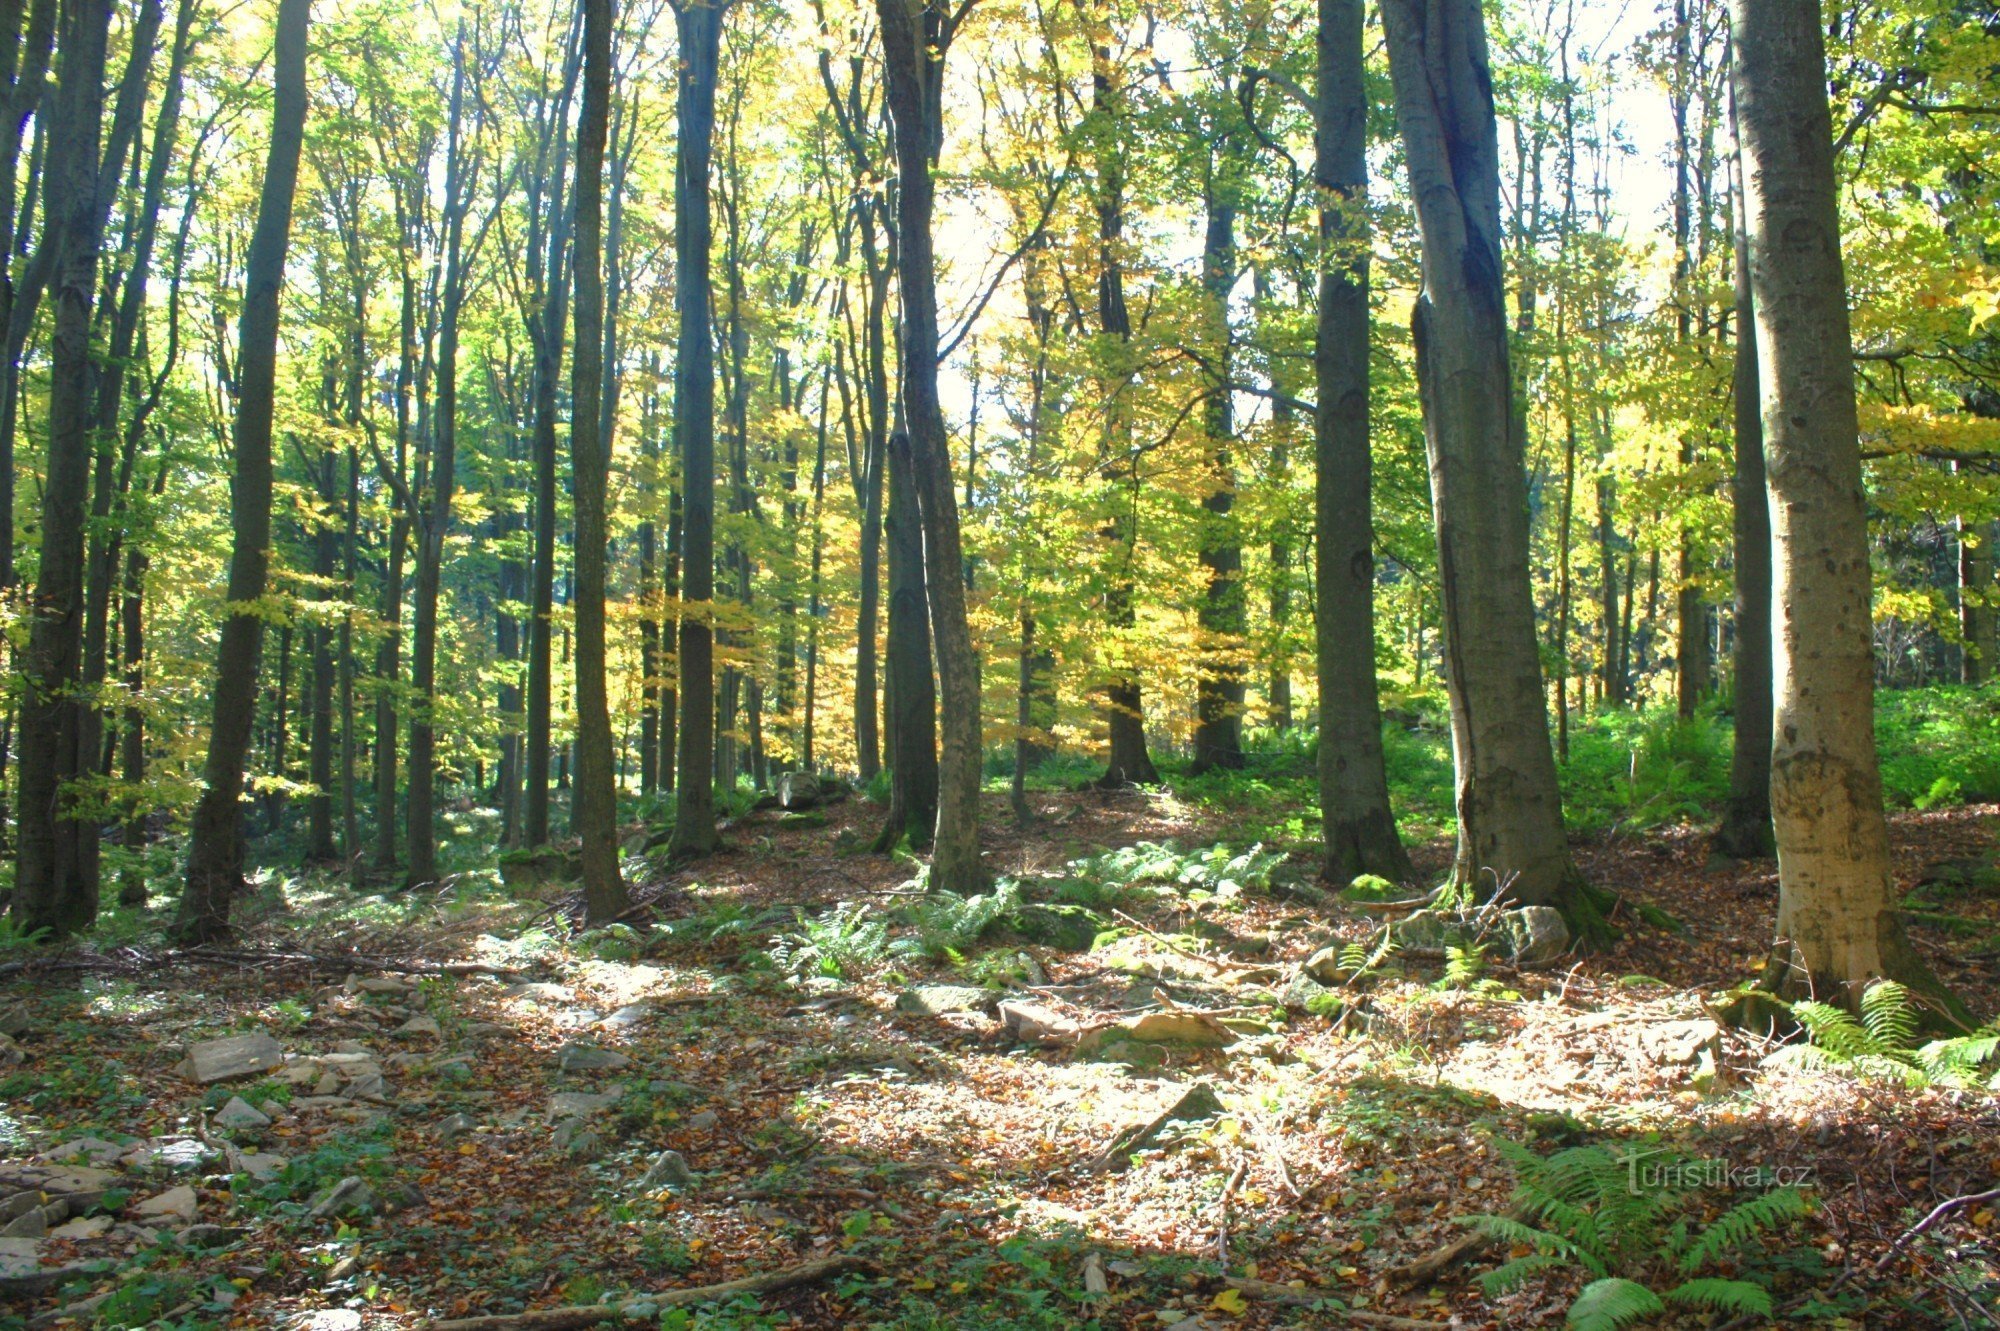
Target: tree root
1426, 1269
648, 1307
1292, 1297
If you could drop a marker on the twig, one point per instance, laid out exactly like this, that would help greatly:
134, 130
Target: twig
1938, 1212
1426, 1269
647, 1307
1222, 1227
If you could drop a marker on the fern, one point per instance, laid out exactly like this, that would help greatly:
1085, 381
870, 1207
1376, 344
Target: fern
1743, 1222
947, 923
1738, 1298
1881, 1044
836, 943
1607, 1304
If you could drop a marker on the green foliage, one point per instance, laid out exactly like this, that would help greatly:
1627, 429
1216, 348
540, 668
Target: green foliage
1586, 1208
1939, 745
841, 942
1210, 873
947, 924
1881, 1043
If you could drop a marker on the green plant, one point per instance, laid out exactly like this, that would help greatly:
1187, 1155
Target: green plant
839, 943
1881, 1043
1584, 1207
947, 923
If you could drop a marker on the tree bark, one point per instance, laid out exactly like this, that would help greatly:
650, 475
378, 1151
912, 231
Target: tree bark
1511, 841
911, 732
215, 851
1837, 923
1219, 693
596, 811
700, 27
1357, 825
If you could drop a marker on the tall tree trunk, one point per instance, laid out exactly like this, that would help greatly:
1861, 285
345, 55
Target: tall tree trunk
215, 850
596, 813
1357, 825
1837, 922
53, 888
1745, 832
700, 28
911, 732
432, 520
915, 37
1510, 830
1218, 729
1130, 762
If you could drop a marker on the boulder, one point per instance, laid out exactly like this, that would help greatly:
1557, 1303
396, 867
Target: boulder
82, 1231
800, 790
703, 1121
1536, 936
32, 1223
534, 868
22, 1272
56, 1180
668, 1170
261, 1165
1180, 1026
1032, 1023
378, 984
935, 1000
93, 1149
589, 1058
173, 1204
454, 1127
576, 1104
349, 1197
1324, 966
1525, 936
241, 1114
1063, 926
15, 1021
417, 1027
232, 1057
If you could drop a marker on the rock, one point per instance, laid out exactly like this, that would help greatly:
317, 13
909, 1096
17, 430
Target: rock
56, 1180
94, 1149
1304, 990
1324, 966
1536, 936
1427, 934
576, 1137
262, 1166
228, 1059
11, 1052
377, 984
209, 1236
1063, 926
327, 1319
328, 1084
704, 1120
489, 1030
241, 1114
800, 790
84, 1230
1180, 1026
521, 869
1197, 1104
632, 1014
19, 1204
589, 1058
174, 1155
935, 1000
539, 991
348, 1197
368, 1086
32, 1223
15, 1021
668, 1170
22, 1272
1676, 1042
451, 1129
420, 1026
1031, 1023
173, 1204
576, 1104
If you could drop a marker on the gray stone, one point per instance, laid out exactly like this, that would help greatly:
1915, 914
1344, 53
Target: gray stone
799, 790
538, 992
589, 1058
1536, 936
935, 1000
1324, 966
21, 1270
94, 1149
704, 1120
175, 1155
632, 1014
1302, 990
368, 1086
1031, 1023
378, 984
577, 1104
56, 1180
82, 1231
173, 1204
348, 1197
14, 1020
668, 1170
456, 1126
262, 1165
420, 1026
241, 1114
30, 1224
209, 1236
235, 1056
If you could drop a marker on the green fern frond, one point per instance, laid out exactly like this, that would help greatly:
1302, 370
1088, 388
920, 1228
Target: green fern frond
1738, 1298
1743, 1222
1889, 1016
1607, 1304
1510, 1276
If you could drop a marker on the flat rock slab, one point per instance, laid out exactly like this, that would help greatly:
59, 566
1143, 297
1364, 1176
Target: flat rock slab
240, 1113
936, 1000
93, 1149
420, 1026
57, 1180
261, 1165
173, 1204
576, 1104
589, 1058
236, 1056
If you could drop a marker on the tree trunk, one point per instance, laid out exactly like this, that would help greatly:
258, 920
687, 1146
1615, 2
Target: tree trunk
53, 888
700, 27
596, 812
1745, 832
911, 732
1218, 731
915, 37
1837, 923
1357, 825
215, 851
1510, 830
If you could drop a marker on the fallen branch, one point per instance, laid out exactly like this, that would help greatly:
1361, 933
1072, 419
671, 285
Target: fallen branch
648, 1307
1426, 1269
1938, 1212
1293, 1297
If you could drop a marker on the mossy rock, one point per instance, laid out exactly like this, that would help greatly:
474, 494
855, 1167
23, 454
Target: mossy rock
807, 818
523, 869
1065, 927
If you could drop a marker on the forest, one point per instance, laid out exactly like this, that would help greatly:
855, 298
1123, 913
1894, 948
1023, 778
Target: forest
999, 664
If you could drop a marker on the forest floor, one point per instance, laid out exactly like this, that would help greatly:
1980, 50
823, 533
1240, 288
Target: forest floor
822, 1103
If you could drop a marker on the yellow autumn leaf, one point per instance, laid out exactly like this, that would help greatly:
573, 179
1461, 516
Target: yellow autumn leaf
1229, 1301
